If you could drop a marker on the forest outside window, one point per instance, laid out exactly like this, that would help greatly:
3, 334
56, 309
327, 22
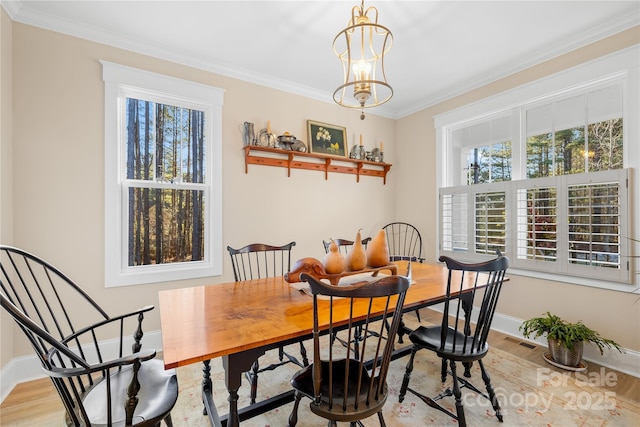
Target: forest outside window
582, 133
165, 160
162, 207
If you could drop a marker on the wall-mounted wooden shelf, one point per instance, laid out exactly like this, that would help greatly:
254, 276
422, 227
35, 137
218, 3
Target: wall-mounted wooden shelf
256, 155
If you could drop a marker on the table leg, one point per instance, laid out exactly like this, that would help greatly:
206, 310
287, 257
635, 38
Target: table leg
234, 366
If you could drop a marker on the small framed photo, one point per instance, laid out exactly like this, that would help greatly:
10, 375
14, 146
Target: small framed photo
327, 139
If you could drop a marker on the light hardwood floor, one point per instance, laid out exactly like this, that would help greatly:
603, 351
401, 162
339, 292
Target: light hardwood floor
36, 403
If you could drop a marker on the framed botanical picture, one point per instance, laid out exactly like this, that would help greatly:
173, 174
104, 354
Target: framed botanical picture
327, 139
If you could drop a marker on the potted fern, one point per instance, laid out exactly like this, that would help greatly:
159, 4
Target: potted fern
565, 339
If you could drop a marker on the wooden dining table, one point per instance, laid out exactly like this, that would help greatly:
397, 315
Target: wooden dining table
240, 321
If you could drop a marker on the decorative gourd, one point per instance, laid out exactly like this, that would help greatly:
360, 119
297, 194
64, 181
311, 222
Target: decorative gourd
378, 250
334, 262
357, 256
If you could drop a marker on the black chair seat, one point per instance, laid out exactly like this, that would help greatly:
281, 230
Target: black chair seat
156, 396
457, 346
303, 381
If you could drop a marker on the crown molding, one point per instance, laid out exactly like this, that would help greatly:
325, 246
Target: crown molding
19, 13
595, 34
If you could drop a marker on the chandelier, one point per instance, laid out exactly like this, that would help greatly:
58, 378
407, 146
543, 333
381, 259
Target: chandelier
361, 48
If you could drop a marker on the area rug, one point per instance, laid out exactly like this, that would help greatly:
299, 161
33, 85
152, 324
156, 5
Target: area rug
529, 394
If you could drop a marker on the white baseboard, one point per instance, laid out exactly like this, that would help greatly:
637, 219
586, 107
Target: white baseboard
28, 368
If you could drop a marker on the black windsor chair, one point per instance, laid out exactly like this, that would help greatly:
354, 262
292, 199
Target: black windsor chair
257, 261
343, 387
99, 383
457, 338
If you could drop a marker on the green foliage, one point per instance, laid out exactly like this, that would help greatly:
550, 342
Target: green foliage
563, 152
553, 327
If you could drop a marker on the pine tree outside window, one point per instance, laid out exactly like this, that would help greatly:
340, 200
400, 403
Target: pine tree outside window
163, 189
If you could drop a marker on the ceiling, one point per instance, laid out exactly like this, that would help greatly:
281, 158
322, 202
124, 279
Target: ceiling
440, 49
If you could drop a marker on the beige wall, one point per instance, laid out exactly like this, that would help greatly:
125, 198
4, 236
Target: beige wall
57, 203
614, 314
58, 166
6, 169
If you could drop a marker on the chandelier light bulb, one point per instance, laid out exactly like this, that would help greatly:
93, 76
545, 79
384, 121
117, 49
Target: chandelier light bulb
362, 87
361, 70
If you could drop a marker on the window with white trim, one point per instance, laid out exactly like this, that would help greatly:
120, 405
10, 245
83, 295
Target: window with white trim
162, 177
570, 225
545, 179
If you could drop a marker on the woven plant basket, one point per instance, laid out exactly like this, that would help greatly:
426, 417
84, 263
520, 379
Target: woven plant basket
564, 356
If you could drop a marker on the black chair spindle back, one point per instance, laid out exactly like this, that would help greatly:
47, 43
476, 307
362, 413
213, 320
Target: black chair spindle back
98, 383
344, 387
258, 260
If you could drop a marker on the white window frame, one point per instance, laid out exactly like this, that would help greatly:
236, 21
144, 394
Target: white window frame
622, 66
465, 246
119, 81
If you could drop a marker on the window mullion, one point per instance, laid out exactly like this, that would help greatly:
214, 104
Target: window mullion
562, 224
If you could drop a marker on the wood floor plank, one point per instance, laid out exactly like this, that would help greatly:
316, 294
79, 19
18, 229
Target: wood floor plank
34, 403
